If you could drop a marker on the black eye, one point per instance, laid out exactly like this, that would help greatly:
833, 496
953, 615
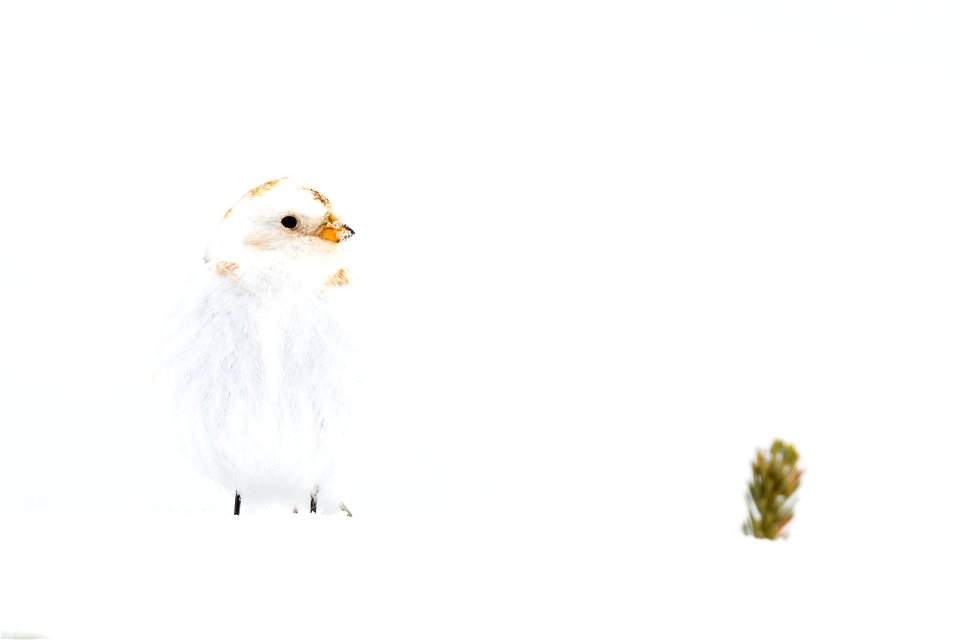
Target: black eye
289, 222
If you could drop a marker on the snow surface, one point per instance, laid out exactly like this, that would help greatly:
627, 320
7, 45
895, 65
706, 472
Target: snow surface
603, 253
569, 576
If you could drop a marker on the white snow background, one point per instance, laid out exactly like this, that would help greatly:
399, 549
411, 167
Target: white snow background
606, 251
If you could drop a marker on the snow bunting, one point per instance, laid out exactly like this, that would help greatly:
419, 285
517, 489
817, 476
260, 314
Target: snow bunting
258, 359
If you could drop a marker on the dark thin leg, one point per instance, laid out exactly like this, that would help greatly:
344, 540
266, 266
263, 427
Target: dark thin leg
313, 502
236, 505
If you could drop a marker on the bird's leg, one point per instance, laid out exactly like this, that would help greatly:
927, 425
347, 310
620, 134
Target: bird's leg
313, 503
236, 504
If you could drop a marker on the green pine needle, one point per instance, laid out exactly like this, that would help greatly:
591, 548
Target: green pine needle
775, 479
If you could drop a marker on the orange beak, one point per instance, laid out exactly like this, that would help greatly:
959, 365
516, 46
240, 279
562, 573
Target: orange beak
334, 230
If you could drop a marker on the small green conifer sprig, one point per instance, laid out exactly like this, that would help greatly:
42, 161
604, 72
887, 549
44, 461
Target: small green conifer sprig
775, 479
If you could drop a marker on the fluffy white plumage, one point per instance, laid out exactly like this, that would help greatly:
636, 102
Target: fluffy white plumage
258, 360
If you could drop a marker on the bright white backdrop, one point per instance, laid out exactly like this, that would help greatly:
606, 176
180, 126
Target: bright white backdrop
604, 252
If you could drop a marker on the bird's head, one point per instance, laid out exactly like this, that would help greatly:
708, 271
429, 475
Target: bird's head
280, 222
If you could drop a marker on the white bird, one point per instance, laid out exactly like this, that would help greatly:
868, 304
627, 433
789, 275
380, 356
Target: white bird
258, 363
